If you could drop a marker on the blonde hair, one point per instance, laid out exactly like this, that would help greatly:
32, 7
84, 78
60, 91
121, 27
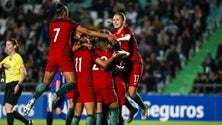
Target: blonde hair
102, 43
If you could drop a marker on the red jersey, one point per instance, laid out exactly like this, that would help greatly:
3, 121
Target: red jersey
130, 46
101, 78
83, 62
133, 67
60, 31
60, 34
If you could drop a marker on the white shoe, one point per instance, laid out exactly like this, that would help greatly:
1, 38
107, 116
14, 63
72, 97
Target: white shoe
145, 112
29, 106
51, 100
30, 122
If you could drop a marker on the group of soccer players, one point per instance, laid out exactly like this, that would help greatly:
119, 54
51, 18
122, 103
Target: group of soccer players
88, 71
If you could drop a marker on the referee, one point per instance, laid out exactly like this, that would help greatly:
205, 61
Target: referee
15, 73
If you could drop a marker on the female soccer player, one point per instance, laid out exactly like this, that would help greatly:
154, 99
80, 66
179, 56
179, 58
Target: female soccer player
133, 67
84, 58
70, 95
60, 30
15, 73
103, 84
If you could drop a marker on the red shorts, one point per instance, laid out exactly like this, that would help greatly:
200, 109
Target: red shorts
107, 96
62, 61
70, 94
132, 73
120, 89
85, 95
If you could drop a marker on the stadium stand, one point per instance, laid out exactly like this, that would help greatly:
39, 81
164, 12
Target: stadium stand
184, 81
182, 84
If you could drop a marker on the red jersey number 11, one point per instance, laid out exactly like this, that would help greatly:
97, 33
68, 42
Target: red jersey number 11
78, 64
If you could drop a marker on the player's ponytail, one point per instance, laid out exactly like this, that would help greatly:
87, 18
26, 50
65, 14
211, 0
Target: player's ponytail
60, 8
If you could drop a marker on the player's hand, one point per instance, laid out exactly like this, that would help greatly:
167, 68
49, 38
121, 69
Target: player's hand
112, 38
16, 89
121, 53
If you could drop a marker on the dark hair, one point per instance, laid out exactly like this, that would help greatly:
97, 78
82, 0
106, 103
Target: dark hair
121, 14
15, 43
60, 8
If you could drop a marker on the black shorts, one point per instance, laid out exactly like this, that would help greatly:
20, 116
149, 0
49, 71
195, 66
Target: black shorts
10, 97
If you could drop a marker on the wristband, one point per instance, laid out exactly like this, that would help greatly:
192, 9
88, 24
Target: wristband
2, 65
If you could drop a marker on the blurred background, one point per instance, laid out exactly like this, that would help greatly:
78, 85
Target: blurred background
180, 40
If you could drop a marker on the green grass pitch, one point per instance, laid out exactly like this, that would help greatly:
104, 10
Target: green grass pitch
61, 122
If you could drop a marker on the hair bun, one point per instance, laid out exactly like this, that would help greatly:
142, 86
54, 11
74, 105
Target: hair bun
59, 6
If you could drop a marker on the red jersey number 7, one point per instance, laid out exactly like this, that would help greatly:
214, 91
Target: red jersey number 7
57, 34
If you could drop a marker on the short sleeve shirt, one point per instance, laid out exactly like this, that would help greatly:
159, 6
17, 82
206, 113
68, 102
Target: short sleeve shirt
102, 79
60, 31
130, 46
83, 62
13, 73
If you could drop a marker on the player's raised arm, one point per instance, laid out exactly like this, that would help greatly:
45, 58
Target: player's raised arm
86, 31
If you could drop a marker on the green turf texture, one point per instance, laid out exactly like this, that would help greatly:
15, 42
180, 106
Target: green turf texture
136, 122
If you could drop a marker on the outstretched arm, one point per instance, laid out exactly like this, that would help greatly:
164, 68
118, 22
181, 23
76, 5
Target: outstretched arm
86, 31
116, 56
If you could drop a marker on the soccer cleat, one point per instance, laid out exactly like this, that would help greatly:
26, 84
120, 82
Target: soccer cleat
145, 112
29, 106
30, 122
51, 100
131, 114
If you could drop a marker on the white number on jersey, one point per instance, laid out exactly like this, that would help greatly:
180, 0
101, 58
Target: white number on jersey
136, 78
95, 67
57, 33
78, 64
